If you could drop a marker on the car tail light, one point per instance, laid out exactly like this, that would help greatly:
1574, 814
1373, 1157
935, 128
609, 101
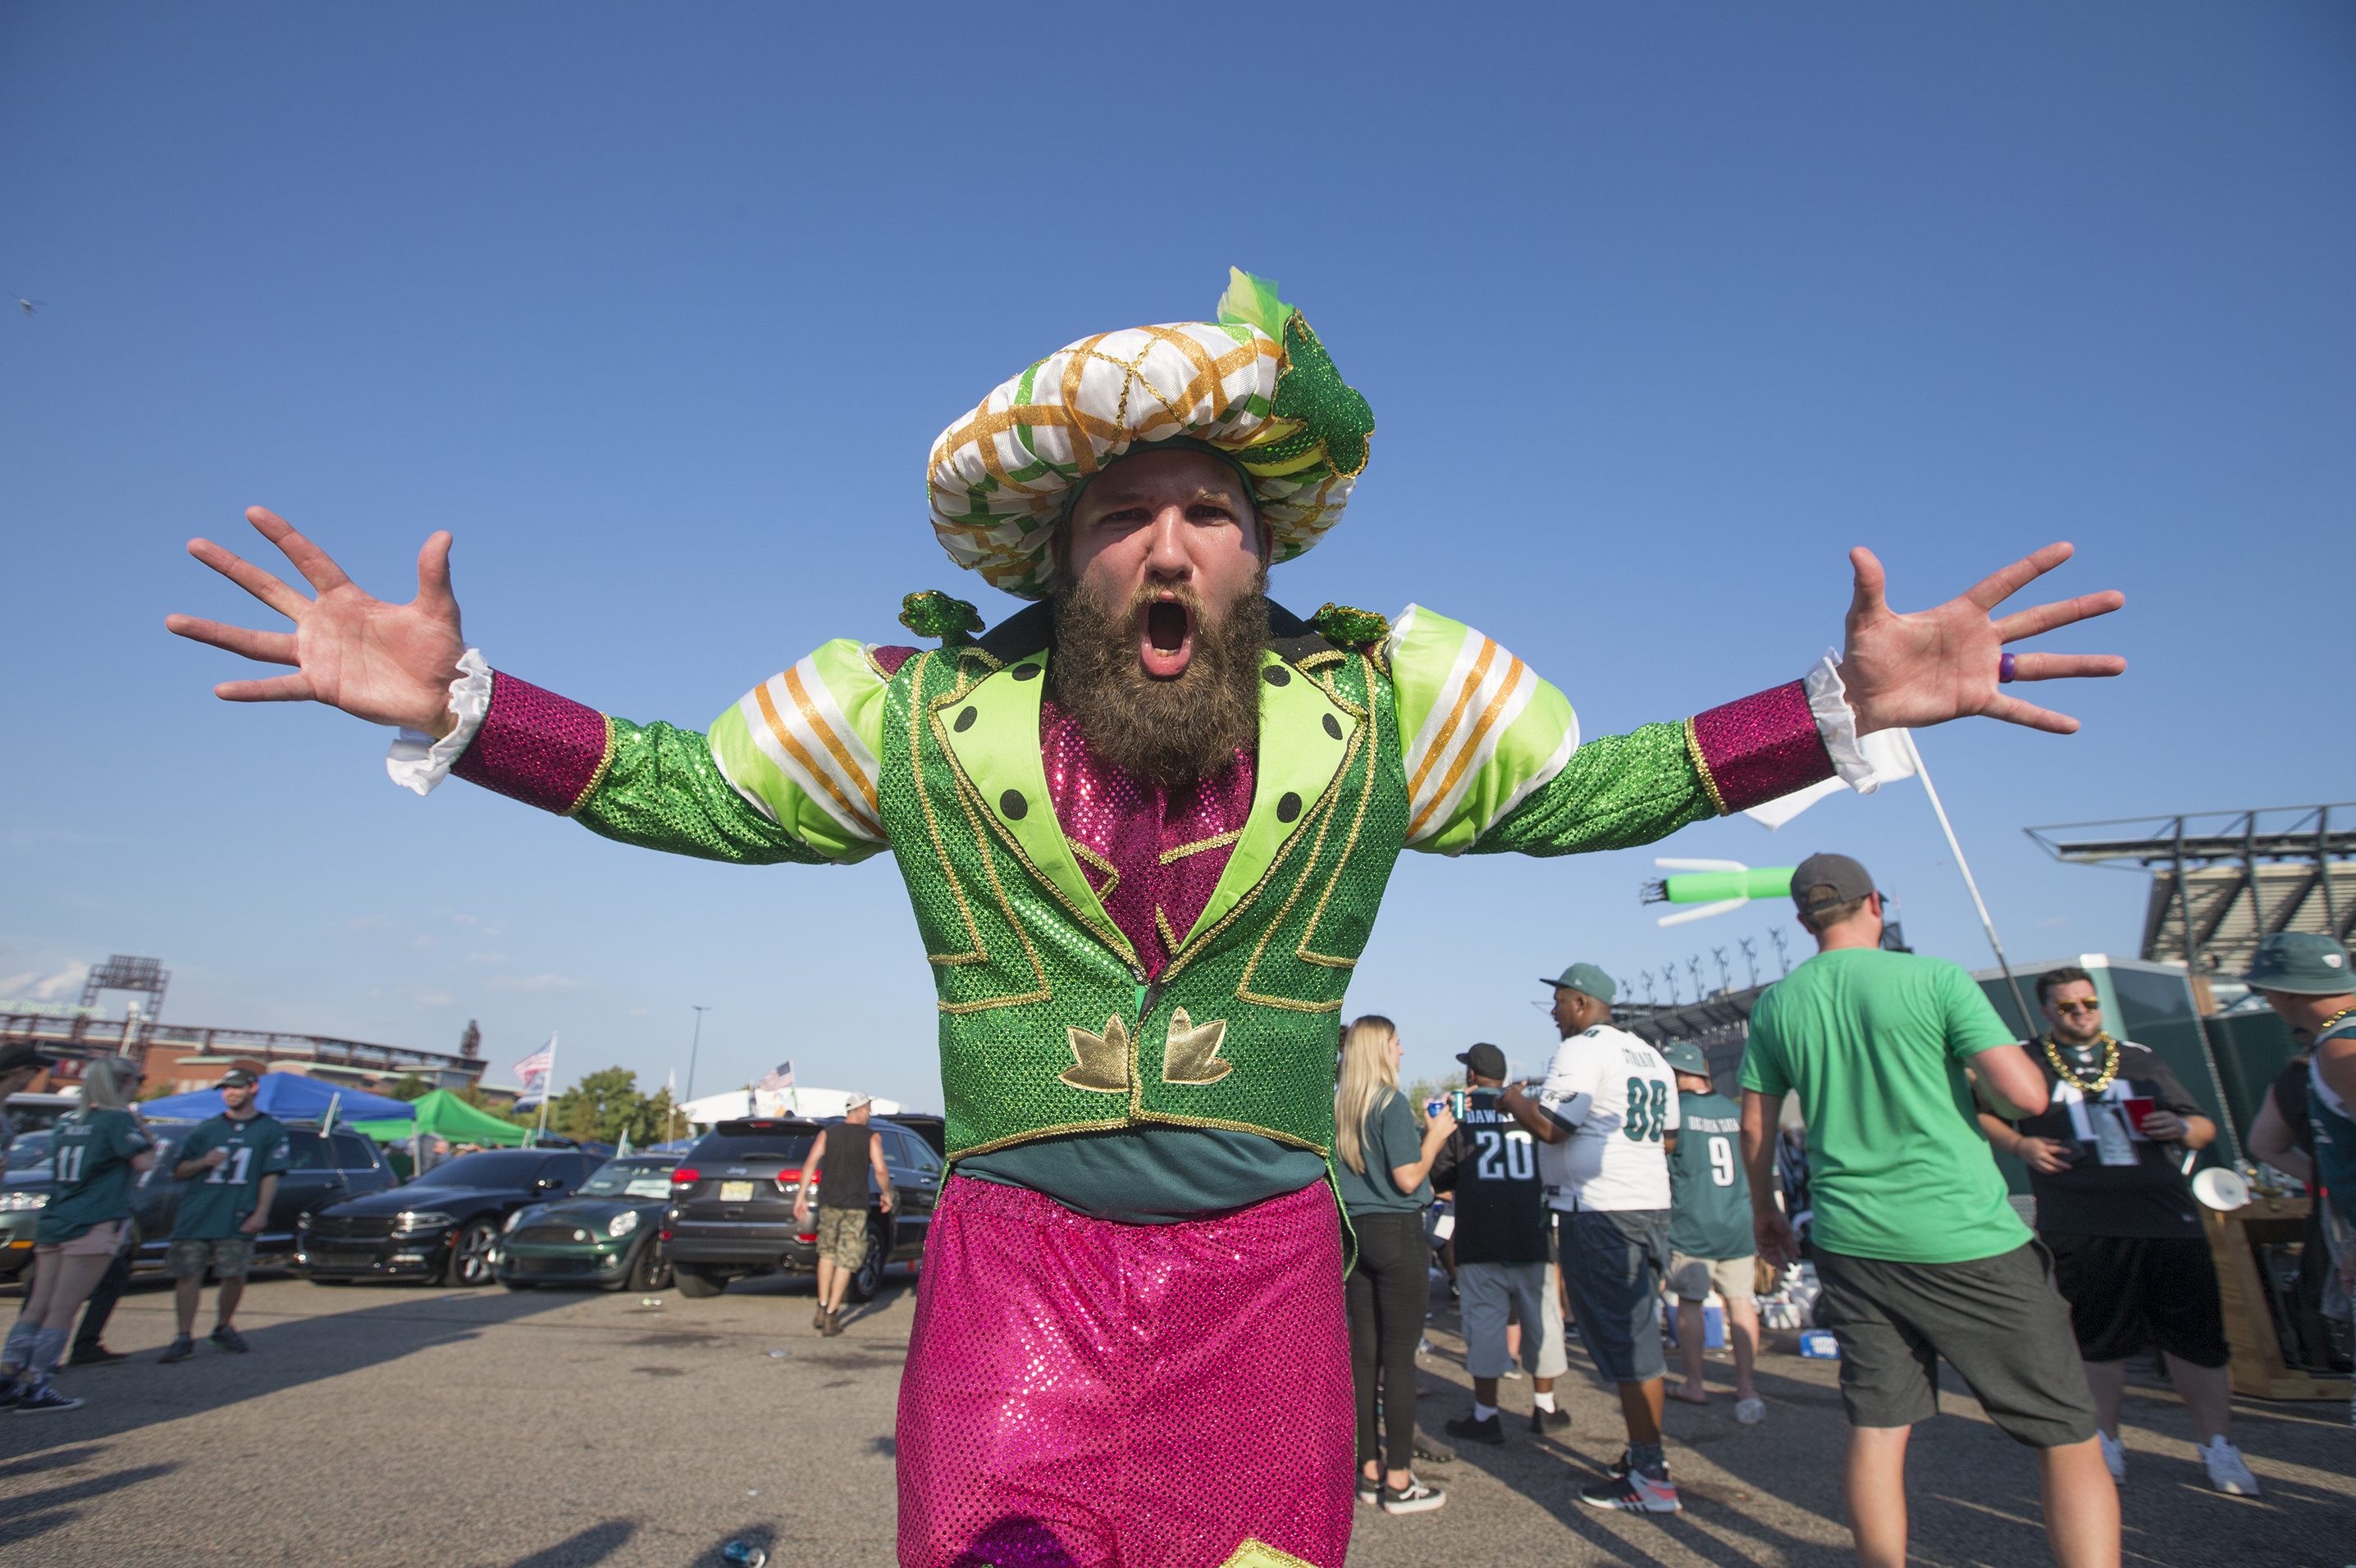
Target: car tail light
685, 1176
666, 1235
789, 1179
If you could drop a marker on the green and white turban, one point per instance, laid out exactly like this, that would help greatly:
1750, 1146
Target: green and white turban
1256, 385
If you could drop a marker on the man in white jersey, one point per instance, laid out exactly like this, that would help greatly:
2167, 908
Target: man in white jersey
1606, 1117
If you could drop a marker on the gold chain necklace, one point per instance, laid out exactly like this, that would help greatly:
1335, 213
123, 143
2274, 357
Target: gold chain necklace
2327, 1025
2090, 1088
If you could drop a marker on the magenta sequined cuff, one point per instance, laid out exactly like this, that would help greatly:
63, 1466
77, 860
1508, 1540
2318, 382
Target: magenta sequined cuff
1758, 749
537, 747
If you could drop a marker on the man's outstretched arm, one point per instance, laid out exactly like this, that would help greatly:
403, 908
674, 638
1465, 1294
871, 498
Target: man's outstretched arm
728, 795
1494, 760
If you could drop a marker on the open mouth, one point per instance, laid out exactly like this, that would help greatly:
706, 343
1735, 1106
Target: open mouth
1166, 639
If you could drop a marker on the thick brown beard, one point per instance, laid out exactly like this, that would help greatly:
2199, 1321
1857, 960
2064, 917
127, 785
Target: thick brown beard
1166, 731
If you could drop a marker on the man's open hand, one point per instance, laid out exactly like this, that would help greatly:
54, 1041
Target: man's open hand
1909, 671
389, 664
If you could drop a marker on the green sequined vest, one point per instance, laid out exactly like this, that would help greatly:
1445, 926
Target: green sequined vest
1048, 1024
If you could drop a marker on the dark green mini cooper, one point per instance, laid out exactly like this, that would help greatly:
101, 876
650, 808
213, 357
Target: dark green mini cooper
608, 1232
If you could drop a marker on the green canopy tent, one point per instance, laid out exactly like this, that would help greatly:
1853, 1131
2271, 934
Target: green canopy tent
444, 1116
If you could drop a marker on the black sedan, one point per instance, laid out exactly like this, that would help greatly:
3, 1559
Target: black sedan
444, 1226
608, 1234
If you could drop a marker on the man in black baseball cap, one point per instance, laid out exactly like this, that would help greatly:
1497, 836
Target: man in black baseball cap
1502, 1273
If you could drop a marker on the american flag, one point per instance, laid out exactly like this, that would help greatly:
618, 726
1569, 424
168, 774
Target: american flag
781, 1076
532, 1070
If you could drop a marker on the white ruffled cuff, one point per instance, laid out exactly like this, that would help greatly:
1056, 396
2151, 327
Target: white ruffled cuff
418, 762
1837, 723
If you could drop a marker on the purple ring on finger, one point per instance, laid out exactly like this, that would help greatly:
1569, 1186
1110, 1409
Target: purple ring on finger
2004, 668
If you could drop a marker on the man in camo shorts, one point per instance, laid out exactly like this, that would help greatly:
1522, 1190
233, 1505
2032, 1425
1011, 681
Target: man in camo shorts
838, 1167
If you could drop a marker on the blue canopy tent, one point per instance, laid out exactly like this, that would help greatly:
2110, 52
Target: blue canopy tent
290, 1097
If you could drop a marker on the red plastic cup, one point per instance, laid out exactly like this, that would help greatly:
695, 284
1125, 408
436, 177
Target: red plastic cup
2138, 1108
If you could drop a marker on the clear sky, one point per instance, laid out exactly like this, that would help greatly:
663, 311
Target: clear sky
1660, 307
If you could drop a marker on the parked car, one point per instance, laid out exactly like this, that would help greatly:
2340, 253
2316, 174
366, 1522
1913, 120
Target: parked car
731, 1206
608, 1232
444, 1226
328, 1168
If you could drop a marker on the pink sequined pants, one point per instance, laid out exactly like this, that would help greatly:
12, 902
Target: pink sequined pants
1081, 1393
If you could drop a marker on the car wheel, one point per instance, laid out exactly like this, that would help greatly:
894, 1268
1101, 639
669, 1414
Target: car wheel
695, 1281
470, 1255
652, 1271
868, 1278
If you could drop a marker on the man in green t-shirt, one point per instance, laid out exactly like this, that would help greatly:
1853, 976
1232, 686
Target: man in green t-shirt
1919, 1253
232, 1165
1710, 1231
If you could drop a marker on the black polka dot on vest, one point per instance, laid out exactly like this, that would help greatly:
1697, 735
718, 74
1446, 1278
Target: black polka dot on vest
1289, 807
964, 721
1026, 672
1276, 675
1013, 805
1332, 726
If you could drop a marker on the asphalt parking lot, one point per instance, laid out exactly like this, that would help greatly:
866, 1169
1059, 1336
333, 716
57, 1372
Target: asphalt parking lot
558, 1429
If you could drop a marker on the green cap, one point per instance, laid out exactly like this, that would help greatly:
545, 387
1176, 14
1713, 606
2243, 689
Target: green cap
2303, 962
1685, 1056
1584, 978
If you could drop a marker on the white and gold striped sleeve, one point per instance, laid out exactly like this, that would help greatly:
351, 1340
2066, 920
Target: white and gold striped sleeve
1478, 730
801, 748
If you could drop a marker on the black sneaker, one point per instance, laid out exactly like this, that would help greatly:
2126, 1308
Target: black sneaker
1486, 1429
1369, 1492
1545, 1421
817, 1318
229, 1339
834, 1324
180, 1350
43, 1400
1413, 1498
12, 1391
96, 1356
1635, 1492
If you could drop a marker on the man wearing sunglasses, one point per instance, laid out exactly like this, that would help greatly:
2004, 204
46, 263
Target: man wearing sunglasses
2105, 1159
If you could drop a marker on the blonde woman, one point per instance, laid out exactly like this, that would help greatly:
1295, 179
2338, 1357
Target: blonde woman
96, 1151
1384, 1168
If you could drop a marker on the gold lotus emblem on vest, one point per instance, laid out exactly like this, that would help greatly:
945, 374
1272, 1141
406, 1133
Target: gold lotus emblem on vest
1190, 1054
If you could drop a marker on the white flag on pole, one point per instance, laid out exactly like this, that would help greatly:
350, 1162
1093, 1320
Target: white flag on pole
1886, 750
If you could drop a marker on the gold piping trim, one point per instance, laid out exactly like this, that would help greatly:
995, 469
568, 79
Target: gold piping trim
1216, 841
1083, 853
998, 891
1701, 766
597, 774
924, 798
1161, 924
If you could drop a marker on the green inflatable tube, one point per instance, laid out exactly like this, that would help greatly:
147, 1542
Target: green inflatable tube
1710, 887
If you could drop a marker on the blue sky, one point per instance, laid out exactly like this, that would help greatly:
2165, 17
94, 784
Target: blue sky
1660, 309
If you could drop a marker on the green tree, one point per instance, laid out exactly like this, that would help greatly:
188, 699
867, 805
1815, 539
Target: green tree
600, 1107
408, 1086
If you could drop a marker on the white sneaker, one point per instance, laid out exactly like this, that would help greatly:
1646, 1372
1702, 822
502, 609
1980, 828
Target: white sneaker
2114, 1456
2227, 1473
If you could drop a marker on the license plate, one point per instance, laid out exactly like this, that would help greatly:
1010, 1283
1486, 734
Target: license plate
735, 1192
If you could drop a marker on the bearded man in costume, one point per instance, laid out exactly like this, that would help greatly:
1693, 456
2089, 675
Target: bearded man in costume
1145, 826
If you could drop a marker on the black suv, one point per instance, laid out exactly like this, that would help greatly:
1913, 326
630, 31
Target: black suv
732, 1205
444, 1226
328, 1168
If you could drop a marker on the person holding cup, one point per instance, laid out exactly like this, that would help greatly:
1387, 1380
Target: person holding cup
2105, 1162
